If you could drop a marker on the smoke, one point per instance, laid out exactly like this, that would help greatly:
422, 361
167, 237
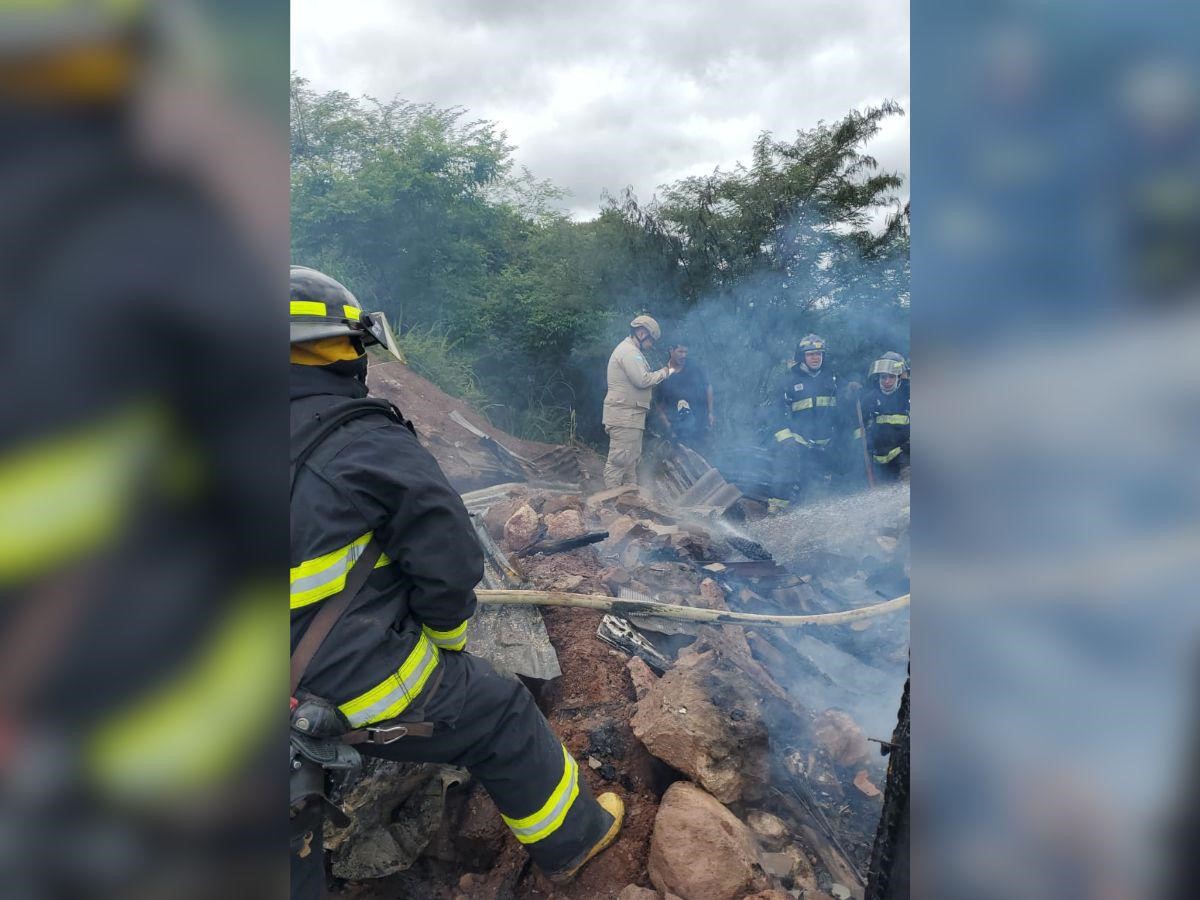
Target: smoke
846, 526
838, 542
742, 333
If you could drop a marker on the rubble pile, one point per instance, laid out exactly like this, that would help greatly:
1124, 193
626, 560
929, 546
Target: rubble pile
742, 755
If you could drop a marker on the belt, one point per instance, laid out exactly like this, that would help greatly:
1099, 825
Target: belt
387, 732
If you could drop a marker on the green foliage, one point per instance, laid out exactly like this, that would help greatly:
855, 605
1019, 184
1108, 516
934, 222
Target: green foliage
507, 303
436, 357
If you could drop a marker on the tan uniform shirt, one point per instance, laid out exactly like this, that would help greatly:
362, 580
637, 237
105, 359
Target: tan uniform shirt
629, 384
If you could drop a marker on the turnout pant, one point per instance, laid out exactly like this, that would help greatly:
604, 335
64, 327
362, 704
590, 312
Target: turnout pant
489, 724
894, 469
624, 451
799, 470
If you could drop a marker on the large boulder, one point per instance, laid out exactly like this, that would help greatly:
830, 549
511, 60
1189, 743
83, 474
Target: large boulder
703, 719
700, 851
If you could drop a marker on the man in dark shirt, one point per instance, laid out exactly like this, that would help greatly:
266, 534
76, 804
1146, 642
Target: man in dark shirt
684, 403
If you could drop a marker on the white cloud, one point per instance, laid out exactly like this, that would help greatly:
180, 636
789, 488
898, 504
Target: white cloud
597, 96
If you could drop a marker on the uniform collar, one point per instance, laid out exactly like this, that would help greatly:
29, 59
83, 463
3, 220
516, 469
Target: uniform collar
346, 378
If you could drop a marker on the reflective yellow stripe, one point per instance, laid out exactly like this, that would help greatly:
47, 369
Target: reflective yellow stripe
549, 818
316, 579
897, 419
454, 639
889, 456
187, 735
307, 308
316, 308
68, 495
394, 694
807, 403
783, 434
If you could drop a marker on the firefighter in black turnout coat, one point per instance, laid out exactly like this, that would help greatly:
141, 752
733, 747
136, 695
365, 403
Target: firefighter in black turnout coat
394, 662
807, 394
885, 409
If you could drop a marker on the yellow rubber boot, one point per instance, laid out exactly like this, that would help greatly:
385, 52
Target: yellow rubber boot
613, 805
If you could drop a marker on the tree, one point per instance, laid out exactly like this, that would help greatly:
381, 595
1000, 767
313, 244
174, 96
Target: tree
420, 211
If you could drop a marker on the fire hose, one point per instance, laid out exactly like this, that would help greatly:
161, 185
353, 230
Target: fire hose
634, 608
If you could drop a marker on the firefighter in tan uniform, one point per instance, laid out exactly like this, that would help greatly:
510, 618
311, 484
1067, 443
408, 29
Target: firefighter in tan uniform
630, 382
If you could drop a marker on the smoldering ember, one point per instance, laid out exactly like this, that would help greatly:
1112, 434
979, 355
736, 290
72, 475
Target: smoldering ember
750, 758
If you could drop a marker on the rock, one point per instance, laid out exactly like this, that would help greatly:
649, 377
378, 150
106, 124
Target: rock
862, 781
839, 736
556, 503
696, 545
633, 892
641, 675
619, 527
711, 595
521, 528
792, 867
703, 718
771, 894
566, 583
840, 891
802, 876
700, 850
771, 830
563, 525
778, 865
615, 577
499, 513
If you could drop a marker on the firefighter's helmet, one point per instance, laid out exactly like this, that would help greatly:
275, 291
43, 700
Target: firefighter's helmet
322, 307
77, 50
649, 324
891, 363
810, 343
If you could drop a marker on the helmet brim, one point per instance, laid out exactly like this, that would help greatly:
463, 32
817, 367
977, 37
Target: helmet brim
316, 331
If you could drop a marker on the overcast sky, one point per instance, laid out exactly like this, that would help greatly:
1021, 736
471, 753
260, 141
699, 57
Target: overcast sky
613, 93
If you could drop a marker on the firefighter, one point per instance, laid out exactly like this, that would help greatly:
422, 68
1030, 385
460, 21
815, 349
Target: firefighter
141, 539
630, 381
395, 661
807, 398
684, 404
885, 409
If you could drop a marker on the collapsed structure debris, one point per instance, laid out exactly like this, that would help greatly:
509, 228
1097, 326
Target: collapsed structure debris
742, 753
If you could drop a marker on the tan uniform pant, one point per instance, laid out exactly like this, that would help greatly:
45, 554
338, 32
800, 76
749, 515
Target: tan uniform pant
624, 451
